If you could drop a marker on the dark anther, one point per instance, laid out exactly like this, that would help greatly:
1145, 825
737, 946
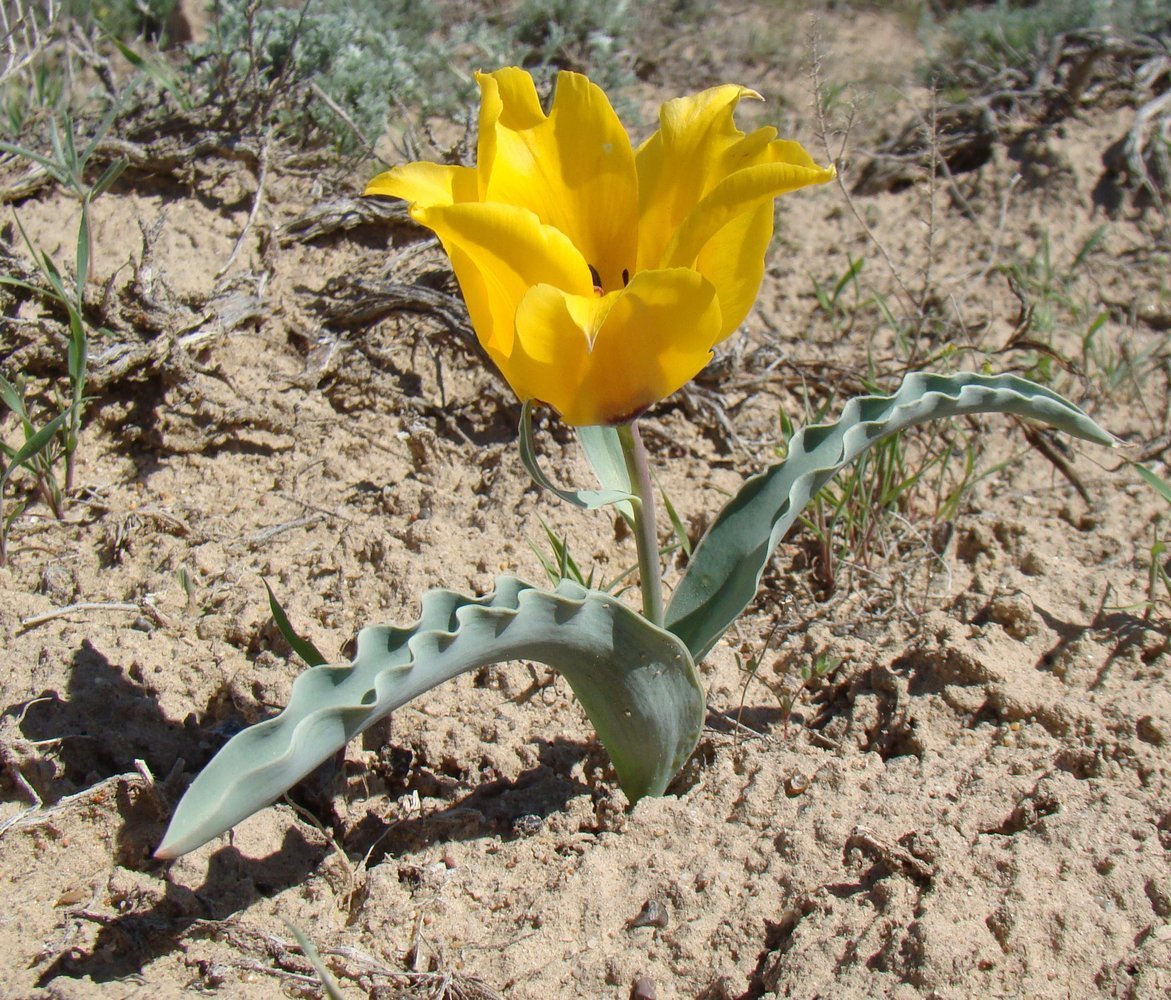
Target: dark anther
594, 274
625, 277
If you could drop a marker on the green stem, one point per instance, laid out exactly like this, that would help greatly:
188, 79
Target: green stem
645, 536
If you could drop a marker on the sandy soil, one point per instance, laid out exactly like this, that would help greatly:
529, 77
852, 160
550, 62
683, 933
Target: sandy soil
975, 802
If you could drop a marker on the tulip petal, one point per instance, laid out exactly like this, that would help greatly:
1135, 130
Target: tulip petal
509, 98
741, 192
602, 360
696, 151
733, 261
681, 162
498, 252
426, 184
574, 168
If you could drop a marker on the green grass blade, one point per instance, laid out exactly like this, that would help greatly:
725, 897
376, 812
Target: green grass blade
50, 271
301, 646
12, 399
1159, 485
309, 950
850, 275
32, 447
676, 521
71, 156
107, 179
549, 567
50, 165
156, 69
81, 270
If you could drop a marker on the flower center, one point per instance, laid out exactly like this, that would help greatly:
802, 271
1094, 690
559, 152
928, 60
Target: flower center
597, 279
598, 289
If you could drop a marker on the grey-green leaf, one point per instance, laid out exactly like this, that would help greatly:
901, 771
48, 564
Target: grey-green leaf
724, 573
604, 451
585, 499
636, 682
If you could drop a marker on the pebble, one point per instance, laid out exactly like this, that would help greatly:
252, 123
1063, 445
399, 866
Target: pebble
652, 914
643, 989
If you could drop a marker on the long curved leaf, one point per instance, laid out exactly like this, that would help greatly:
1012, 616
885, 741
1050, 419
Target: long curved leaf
636, 682
603, 449
585, 499
724, 573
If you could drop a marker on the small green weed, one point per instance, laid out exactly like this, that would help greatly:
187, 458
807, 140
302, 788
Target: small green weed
1158, 579
829, 300
303, 647
562, 566
67, 166
790, 686
34, 454
868, 513
861, 520
1014, 35
1057, 295
1158, 566
1050, 288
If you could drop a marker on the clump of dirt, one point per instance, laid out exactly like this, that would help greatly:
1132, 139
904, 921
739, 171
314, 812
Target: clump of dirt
970, 796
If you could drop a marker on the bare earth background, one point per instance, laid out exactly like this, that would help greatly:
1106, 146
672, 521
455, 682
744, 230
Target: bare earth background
974, 803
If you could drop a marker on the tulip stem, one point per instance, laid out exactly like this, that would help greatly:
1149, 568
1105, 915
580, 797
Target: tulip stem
645, 535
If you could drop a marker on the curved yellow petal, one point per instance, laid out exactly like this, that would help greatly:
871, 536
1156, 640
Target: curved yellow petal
509, 98
498, 252
602, 360
574, 169
733, 261
682, 161
743, 191
426, 184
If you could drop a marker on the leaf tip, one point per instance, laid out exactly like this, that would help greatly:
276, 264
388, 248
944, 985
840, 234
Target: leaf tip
168, 850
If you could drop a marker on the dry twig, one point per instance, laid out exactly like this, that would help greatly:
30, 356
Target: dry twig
142, 606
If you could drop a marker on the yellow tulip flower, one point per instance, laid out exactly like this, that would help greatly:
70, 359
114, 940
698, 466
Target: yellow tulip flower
599, 277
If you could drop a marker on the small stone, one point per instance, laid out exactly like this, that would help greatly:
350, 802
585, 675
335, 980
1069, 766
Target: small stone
527, 825
652, 914
797, 784
643, 989
1150, 730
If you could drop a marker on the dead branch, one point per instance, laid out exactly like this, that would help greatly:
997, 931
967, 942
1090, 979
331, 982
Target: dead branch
358, 302
143, 607
342, 214
39, 813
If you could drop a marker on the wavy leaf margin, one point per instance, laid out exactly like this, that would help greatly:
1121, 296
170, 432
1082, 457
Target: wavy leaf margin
724, 573
636, 682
